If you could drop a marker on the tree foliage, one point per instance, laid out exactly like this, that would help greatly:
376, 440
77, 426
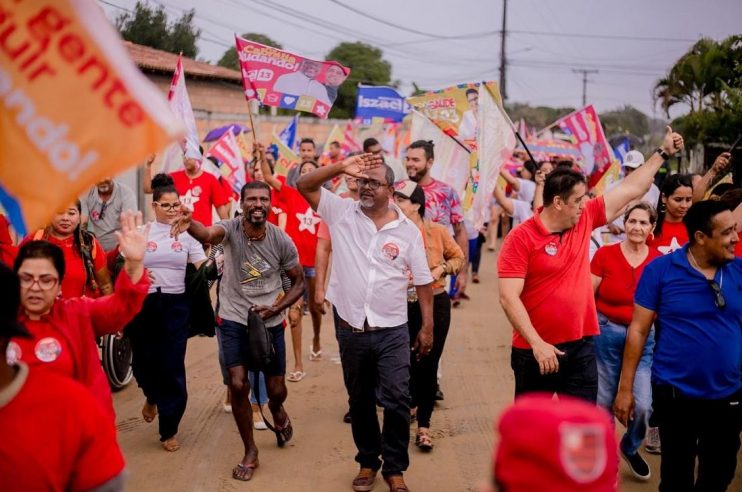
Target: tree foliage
367, 67
536, 116
625, 120
150, 26
229, 58
707, 80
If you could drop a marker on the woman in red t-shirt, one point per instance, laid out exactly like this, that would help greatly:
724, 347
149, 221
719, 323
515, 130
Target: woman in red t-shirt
616, 270
676, 198
86, 270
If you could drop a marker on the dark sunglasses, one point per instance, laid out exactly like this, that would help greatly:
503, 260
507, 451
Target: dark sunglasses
719, 300
102, 210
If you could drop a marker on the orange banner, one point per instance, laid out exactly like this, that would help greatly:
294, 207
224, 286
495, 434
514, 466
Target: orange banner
73, 106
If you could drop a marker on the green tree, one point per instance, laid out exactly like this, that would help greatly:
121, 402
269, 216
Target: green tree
149, 26
367, 67
707, 81
536, 116
625, 120
229, 58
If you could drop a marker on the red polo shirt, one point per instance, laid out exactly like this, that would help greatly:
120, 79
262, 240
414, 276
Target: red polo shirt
558, 292
199, 194
615, 296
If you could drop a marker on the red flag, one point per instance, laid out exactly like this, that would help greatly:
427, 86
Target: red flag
227, 151
349, 144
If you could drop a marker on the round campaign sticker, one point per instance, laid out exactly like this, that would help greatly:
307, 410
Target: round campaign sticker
390, 250
196, 191
551, 249
177, 246
13, 353
48, 349
151, 246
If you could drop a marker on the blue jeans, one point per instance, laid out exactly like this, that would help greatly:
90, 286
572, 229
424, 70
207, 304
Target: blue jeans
609, 347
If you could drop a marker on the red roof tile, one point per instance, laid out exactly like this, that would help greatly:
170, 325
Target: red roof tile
153, 59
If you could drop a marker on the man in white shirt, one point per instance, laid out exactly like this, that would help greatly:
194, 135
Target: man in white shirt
375, 251
303, 82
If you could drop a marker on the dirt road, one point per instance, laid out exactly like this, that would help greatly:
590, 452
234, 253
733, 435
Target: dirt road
477, 382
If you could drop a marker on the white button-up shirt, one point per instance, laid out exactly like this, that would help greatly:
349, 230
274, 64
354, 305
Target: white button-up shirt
370, 267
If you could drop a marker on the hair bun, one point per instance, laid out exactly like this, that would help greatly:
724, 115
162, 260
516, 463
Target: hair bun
161, 180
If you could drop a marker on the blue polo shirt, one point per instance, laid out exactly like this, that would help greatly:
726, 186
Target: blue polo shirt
699, 346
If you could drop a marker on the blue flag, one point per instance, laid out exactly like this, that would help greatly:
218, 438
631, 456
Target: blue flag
622, 149
288, 134
380, 102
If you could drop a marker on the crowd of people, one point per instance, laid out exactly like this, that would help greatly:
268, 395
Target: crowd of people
628, 304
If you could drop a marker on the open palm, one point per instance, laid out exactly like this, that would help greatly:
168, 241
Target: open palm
132, 237
357, 165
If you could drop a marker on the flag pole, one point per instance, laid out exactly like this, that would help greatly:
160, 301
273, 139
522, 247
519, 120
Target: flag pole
510, 122
452, 138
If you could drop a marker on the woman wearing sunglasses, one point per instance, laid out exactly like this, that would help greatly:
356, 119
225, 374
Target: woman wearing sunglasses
64, 330
616, 270
159, 333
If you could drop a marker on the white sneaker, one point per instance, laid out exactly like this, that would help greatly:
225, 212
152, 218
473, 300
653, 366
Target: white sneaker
257, 419
227, 403
652, 443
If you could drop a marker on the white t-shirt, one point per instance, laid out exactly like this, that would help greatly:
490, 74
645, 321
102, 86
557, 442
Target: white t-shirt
166, 258
527, 190
522, 211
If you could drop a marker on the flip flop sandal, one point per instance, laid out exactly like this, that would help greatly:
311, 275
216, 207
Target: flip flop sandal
296, 376
285, 433
244, 473
315, 356
423, 442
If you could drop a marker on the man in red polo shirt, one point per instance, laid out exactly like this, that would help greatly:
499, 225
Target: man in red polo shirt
198, 190
545, 286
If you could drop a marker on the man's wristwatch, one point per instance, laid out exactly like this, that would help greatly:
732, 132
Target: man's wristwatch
662, 153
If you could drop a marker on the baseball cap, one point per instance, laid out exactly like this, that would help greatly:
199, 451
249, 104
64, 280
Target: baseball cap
410, 190
564, 445
10, 285
633, 159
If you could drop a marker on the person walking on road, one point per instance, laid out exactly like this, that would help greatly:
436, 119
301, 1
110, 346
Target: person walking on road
255, 253
374, 247
545, 286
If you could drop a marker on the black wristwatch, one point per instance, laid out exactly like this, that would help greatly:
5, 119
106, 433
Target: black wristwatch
662, 153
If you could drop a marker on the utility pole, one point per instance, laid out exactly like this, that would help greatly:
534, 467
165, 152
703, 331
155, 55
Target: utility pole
584, 73
503, 60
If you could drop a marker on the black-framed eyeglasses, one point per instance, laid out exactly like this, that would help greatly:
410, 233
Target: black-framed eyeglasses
719, 300
371, 183
168, 206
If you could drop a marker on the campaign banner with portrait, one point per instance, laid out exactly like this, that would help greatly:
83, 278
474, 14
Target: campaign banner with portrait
380, 101
75, 108
453, 110
285, 80
584, 125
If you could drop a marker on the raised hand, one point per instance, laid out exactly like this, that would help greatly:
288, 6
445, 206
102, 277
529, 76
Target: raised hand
721, 164
132, 237
357, 165
182, 222
673, 142
150, 159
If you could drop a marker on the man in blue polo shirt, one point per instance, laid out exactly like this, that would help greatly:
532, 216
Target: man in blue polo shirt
696, 294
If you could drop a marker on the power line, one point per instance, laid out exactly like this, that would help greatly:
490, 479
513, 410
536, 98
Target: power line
605, 36
409, 29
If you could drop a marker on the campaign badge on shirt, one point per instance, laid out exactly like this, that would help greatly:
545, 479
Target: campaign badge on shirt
48, 349
151, 246
551, 248
13, 353
177, 246
390, 250
197, 190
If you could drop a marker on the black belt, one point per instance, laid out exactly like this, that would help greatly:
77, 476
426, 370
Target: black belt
366, 327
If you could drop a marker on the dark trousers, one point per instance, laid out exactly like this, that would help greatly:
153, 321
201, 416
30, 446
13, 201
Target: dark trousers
423, 372
692, 428
475, 252
159, 335
577, 375
376, 368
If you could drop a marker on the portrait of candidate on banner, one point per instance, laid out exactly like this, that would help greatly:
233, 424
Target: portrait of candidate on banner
285, 80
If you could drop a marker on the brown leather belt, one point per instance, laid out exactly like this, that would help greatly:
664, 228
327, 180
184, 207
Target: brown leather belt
366, 327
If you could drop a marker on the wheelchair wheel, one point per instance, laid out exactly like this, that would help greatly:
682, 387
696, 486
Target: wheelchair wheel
116, 360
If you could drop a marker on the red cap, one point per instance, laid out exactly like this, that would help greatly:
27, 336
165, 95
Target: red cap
549, 445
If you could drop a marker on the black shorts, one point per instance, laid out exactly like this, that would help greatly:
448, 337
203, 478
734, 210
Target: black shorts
234, 344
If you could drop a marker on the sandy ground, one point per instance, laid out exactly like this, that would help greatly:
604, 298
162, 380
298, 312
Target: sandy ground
477, 382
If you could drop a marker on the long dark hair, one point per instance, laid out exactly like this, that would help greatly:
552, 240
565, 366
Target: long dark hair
83, 244
669, 186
